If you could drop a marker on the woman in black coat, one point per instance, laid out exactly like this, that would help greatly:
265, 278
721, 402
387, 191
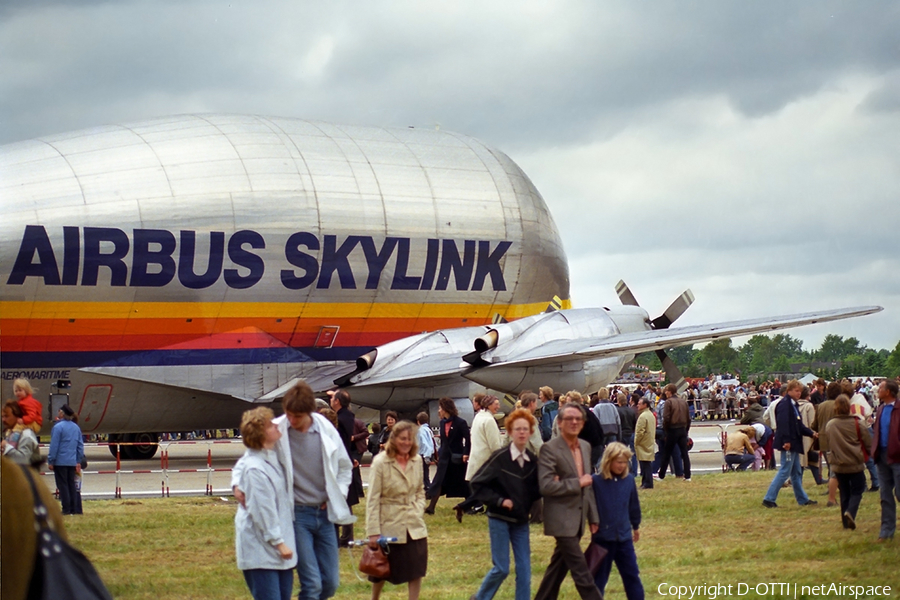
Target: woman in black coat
450, 478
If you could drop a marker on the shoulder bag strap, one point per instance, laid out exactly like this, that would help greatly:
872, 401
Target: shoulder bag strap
40, 511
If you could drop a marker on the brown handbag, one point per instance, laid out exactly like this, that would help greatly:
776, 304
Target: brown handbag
374, 562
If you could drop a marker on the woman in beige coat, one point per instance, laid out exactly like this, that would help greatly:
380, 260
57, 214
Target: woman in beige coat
395, 507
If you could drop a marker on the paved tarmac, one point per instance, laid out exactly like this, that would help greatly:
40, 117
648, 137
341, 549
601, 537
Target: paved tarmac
192, 466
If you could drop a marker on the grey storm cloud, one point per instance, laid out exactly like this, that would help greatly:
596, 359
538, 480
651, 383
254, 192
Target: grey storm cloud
887, 97
560, 68
744, 149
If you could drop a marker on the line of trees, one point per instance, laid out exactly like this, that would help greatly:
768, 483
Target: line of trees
781, 353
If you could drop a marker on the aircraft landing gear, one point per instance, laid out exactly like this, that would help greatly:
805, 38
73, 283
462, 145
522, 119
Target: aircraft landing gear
145, 446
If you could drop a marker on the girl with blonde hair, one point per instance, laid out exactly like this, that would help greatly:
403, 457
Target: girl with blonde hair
620, 519
31, 409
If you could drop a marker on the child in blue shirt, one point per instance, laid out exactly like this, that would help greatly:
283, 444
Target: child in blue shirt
620, 518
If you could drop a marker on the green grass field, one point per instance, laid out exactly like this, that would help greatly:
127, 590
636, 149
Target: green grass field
712, 530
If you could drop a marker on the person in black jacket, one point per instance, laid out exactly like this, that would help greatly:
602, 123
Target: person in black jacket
450, 477
340, 404
789, 439
507, 484
592, 432
628, 419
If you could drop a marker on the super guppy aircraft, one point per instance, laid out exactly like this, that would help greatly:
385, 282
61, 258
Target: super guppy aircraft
169, 273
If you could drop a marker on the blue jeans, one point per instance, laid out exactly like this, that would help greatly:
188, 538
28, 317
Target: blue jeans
270, 584
889, 478
317, 553
873, 472
870, 465
675, 461
628, 440
622, 553
790, 468
502, 535
741, 461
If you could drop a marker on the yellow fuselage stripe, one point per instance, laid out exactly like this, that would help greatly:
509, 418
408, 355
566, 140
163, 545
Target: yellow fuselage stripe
231, 310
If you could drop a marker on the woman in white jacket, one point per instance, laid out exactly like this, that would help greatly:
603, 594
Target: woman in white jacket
264, 531
485, 438
485, 435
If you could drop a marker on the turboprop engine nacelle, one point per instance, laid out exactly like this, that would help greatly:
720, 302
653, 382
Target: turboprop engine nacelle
508, 355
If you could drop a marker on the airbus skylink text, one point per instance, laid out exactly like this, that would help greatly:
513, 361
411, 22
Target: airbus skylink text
159, 257
777, 589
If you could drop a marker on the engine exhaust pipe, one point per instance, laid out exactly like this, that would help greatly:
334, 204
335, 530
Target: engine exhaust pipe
487, 341
365, 362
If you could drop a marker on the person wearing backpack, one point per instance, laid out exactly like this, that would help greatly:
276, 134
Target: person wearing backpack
628, 419
549, 408
610, 422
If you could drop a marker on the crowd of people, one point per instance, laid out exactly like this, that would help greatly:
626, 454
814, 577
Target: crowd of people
839, 426
564, 482
568, 461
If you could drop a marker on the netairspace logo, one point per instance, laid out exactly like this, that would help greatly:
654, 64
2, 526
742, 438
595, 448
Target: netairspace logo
774, 589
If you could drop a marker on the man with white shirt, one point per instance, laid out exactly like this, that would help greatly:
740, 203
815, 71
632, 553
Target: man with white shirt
427, 447
564, 475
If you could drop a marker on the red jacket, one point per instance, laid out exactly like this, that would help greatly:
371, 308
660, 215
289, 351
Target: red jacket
893, 445
31, 410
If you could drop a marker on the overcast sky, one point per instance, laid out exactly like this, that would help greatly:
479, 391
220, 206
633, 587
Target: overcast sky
747, 150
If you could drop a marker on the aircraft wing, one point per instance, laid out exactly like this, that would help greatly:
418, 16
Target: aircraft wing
436, 359
561, 351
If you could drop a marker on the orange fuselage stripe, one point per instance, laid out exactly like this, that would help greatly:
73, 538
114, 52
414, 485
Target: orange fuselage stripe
92, 326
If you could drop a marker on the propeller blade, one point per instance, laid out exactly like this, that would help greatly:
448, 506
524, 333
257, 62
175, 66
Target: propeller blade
673, 373
625, 295
675, 310
498, 318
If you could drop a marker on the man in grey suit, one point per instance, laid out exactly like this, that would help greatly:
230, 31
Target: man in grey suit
564, 476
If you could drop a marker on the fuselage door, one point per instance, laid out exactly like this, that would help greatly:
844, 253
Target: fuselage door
93, 406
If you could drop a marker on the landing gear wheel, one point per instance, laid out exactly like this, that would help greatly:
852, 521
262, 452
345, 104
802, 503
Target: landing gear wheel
145, 448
